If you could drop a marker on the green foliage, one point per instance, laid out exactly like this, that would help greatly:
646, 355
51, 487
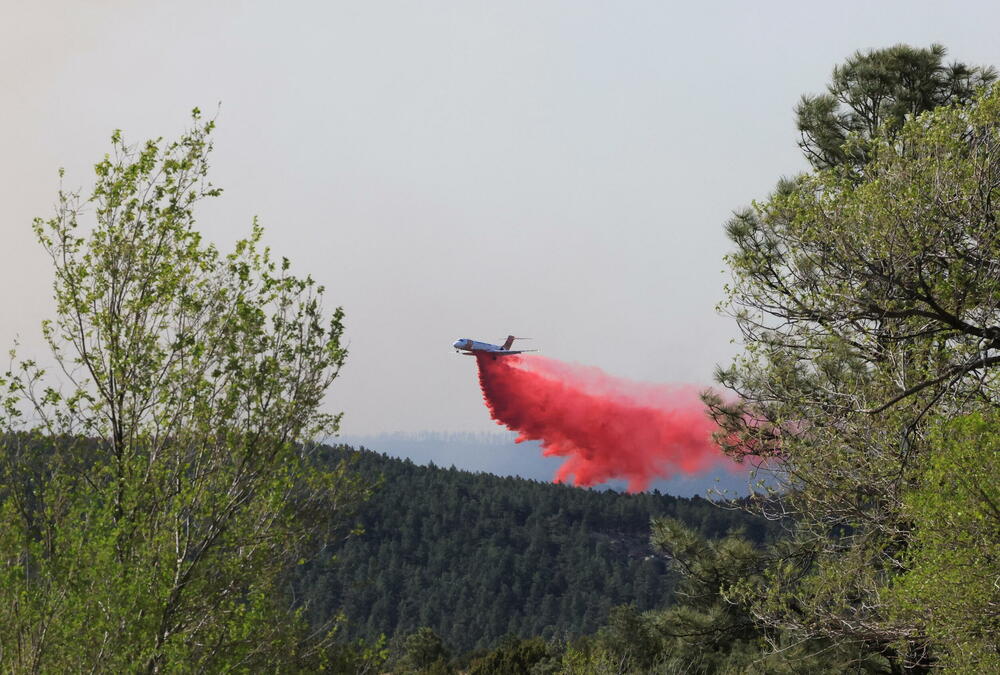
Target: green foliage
867, 302
476, 557
873, 93
951, 586
591, 657
708, 627
713, 626
629, 640
532, 656
156, 500
423, 652
359, 657
704, 619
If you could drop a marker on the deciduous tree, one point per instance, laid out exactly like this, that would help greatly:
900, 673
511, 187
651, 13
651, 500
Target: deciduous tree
952, 582
155, 501
868, 305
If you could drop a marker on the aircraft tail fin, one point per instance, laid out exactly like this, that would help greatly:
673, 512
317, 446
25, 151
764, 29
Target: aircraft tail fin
508, 343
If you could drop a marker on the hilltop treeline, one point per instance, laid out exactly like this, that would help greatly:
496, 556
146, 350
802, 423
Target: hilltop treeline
476, 557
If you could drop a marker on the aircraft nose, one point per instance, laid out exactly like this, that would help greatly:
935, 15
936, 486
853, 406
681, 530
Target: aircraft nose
457, 344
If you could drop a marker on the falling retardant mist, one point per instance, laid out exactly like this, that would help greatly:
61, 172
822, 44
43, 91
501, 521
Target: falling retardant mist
606, 427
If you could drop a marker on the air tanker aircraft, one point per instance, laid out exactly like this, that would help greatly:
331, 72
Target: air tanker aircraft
470, 347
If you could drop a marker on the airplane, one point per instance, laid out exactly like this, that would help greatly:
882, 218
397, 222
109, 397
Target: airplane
470, 347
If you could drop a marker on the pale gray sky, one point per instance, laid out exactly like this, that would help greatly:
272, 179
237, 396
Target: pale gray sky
560, 170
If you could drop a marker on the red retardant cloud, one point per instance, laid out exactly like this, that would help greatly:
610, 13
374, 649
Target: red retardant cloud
606, 427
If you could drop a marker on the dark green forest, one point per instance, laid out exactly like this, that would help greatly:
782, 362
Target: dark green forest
477, 557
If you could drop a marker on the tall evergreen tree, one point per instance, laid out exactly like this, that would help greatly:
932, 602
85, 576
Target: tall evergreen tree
867, 300
873, 92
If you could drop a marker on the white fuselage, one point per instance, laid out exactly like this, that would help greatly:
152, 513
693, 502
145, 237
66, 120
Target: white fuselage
474, 346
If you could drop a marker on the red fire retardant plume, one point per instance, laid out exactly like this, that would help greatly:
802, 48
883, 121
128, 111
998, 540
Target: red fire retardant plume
604, 426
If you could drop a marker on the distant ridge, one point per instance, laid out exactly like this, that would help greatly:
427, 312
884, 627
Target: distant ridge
476, 556
496, 452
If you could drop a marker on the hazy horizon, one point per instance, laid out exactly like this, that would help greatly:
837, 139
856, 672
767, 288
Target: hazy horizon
497, 453
561, 170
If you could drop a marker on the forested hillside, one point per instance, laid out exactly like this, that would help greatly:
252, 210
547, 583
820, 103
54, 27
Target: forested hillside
477, 557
